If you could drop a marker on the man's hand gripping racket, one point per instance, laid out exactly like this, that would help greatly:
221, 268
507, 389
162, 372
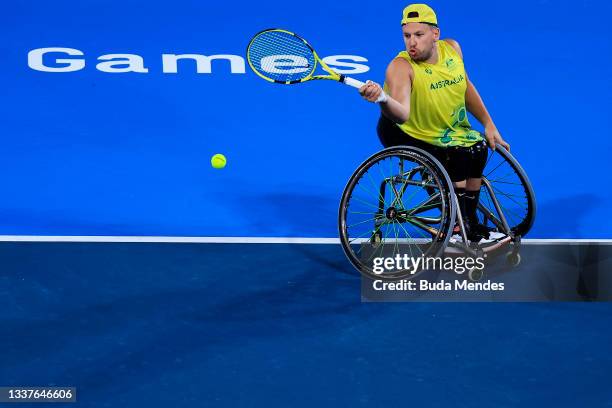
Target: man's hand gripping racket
283, 57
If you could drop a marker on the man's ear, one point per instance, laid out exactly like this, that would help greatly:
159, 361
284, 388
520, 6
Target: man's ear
436, 33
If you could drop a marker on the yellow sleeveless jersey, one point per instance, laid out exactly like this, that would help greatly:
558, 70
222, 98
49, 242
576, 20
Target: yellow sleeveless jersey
437, 103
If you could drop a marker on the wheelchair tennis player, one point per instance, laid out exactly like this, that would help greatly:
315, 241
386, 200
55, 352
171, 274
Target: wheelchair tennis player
428, 95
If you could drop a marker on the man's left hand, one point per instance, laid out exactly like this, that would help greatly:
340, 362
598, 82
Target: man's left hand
494, 138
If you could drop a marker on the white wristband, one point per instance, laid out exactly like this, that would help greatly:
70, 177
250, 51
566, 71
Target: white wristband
383, 98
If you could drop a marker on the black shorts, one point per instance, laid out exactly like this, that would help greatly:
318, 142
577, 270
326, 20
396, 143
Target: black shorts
460, 163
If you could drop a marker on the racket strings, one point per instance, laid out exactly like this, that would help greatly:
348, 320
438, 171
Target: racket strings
281, 56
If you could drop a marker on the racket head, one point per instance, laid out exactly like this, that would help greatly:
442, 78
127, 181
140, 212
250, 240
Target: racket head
283, 57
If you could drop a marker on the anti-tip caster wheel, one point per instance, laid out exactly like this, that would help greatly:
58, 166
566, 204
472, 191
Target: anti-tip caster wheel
475, 274
514, 259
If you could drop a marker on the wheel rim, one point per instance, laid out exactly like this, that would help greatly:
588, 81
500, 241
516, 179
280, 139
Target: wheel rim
387, 209
512, 190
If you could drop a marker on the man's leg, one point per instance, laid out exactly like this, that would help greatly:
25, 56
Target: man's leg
457, 168
391, 135
478, 160
460, 192
472, 195
466, 165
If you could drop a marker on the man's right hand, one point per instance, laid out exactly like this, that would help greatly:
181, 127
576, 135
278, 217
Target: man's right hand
371, 91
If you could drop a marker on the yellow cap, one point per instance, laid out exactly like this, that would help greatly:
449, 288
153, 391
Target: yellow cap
419, 13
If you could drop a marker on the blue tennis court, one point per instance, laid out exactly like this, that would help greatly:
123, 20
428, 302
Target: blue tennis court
134, 271
185, 325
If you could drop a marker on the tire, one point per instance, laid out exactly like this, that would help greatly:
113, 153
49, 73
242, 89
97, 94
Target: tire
512, 189
393, 187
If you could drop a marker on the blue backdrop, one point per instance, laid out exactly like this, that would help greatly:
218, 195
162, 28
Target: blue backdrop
96, 153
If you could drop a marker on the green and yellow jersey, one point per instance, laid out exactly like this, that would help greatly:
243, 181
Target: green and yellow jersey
437, 102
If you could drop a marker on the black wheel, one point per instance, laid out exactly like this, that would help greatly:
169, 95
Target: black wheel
514, 259
475, 274
396, 203
513, 191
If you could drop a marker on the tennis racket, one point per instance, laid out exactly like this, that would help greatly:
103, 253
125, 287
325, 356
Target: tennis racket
283, 57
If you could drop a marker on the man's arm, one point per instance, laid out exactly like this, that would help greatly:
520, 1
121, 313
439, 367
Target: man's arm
398, 78
476, 106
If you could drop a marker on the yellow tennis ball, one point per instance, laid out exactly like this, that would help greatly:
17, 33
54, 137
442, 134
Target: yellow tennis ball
218, 161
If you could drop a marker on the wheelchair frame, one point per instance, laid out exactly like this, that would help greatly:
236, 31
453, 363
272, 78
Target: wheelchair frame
435, 170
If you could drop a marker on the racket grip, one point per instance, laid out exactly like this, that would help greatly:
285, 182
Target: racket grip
353, 82
358, 84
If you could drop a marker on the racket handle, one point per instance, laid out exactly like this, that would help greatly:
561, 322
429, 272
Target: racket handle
358, 84
353, 82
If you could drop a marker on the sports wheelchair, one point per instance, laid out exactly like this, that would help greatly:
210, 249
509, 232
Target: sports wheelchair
401, 201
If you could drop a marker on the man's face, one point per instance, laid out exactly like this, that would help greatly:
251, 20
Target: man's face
420, 39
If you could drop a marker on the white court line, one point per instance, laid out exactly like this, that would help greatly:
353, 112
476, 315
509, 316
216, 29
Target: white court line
536, 241
236, 240
186, 240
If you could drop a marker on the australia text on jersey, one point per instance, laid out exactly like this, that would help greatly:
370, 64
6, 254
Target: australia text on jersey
442, 84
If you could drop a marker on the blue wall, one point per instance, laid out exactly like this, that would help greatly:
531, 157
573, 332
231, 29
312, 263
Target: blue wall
94, 153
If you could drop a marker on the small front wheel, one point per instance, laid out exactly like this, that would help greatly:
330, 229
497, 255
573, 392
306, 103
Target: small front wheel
475, 274
513, 259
